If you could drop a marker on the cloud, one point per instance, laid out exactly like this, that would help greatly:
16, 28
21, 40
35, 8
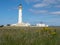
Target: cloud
55, 13
40, 5
50, 1
45, 3
44, 12
38, 11
14, 8
58, 6
29, 1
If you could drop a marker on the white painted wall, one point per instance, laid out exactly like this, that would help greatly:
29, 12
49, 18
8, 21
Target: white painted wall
41, 25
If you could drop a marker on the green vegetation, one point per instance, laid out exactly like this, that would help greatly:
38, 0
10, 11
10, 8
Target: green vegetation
29, 36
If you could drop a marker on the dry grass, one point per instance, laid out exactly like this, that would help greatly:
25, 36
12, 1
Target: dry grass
29, 36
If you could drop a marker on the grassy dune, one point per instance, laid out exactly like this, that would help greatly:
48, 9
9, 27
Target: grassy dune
29, 36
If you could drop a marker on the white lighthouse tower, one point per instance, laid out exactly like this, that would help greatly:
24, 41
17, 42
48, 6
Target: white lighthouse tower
20, 22
20, 14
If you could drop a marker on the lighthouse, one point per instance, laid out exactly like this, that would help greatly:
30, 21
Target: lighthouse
20, 22
20, 14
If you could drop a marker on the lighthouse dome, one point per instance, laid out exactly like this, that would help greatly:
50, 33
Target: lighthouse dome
20, 6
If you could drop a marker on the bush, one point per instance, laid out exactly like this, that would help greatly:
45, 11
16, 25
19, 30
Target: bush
8, 24
1, 25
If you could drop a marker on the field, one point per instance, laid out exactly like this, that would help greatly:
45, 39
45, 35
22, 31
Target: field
29, 36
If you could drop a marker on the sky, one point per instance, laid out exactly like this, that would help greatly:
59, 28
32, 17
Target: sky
34, 11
